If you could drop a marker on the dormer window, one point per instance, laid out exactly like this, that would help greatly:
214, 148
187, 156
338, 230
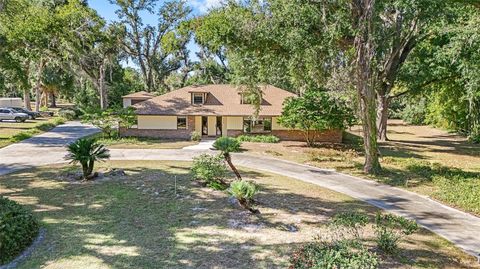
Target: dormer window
244, 100
198, 98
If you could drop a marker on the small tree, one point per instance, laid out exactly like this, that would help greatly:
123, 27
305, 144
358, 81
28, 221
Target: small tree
86, 151
315, 111
211, 170
127, 117
227, 145
105, 120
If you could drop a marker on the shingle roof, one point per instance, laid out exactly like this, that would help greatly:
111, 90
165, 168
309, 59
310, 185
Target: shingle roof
222, 100
140, 95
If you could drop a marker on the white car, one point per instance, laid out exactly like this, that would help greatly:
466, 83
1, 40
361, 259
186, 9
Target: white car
10, 114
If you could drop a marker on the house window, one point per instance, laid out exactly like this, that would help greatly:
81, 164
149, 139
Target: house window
197, 98
245, 100
181, 122
263, 125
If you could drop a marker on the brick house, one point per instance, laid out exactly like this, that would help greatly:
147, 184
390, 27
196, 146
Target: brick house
212, 110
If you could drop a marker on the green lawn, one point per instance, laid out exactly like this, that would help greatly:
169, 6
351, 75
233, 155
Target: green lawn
157, 217
422, 159
11, 132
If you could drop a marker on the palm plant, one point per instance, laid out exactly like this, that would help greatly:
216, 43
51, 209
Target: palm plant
227, 145
86, 151
244, 191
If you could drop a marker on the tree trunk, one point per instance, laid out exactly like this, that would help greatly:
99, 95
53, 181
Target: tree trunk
53, 100
38, 85
364, 80
102, 90
383, 103
228, 158
26, 99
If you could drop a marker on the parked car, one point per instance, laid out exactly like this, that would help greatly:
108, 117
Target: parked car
10, 114
31, 114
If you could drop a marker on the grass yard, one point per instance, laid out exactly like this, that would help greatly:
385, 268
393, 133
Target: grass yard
12, 132
157, 217
142, 143
426, 160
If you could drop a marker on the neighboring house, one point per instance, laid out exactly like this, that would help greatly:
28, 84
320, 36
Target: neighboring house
135, 98
212, 110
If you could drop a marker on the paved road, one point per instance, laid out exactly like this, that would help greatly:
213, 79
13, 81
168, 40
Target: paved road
43, 149
460, 228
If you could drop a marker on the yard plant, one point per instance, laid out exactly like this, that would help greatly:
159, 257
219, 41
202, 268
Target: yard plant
211, 170
390, 228
18, 229
87, 151
258, 138
228, 145
244, 191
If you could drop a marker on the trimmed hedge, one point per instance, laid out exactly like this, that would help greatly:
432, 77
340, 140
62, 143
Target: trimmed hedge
258, 138
18, 229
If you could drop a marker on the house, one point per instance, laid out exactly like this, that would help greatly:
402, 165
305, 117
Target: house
212, 110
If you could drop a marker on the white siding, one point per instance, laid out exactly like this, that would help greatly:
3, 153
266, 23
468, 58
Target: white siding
276, 125
157, 122
234, 123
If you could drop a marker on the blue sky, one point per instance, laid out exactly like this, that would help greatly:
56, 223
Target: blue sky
199, 7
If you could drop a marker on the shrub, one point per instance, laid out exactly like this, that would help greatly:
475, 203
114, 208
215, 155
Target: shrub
244, 192
211, 170
349, 223
18, 229
340, 254
86, 151
68, 114
390, 228
195, 136
258, 138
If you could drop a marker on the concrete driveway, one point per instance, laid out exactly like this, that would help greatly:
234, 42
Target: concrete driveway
458, 227
43, 149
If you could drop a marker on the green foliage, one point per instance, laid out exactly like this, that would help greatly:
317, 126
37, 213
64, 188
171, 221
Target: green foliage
244, 191
18, 229
126, 117
68, 114
227, 145
340, 254
315, 111
211, 170
195, 136
105, 120
350, 223
415, 111
390, 228
258, 138
86, 151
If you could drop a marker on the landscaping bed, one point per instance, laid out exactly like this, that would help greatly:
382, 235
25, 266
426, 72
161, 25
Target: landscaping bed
156, 216
142, 143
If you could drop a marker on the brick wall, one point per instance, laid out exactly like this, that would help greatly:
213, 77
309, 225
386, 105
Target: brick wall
167, 134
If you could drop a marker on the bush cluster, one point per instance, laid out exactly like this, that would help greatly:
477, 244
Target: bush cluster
258, 138
68, 114
211, 170
334, 255
346, 246
195, 136
18, 229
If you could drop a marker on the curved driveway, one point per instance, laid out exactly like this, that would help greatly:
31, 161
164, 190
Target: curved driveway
461, 228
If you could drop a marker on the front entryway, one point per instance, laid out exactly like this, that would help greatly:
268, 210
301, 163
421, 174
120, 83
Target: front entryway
211, 126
